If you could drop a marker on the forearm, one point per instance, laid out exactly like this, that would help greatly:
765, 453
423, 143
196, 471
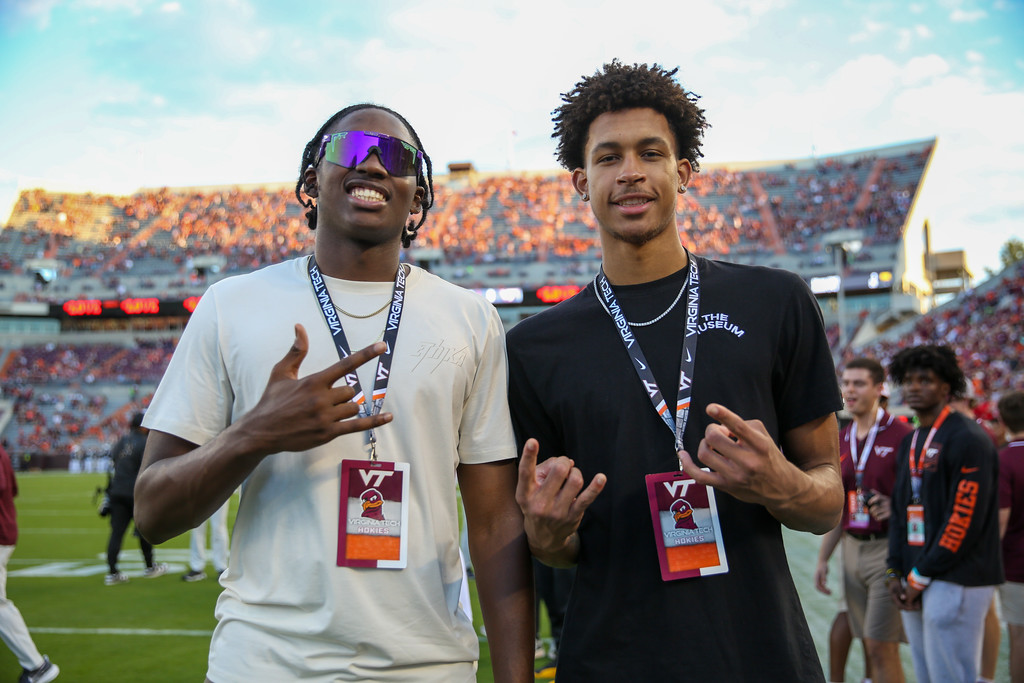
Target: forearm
504, 577
180, 485
815, 500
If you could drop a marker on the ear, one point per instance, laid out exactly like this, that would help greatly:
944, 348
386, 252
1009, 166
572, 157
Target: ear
310, 181
579, 181
417, 201
685, 171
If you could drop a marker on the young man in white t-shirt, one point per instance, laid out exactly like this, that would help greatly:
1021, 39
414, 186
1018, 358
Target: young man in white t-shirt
344, 561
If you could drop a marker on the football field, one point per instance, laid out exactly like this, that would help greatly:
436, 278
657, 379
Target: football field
158, 630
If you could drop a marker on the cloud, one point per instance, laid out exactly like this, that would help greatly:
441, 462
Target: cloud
920, 69
962, 16
134, 7
736, 65
870, 30
230, 90
873, 100
907, 38
36, 12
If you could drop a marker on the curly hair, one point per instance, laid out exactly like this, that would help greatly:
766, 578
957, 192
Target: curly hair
313, 147
620, 87
939, 359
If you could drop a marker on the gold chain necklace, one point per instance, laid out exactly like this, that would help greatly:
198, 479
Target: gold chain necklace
368, 315
362, 317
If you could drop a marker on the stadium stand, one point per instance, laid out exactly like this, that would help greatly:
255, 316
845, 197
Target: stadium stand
985, 326
68, 385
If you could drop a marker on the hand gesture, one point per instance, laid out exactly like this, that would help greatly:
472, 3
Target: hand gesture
744, 460
880, 506
553, 501
298, 414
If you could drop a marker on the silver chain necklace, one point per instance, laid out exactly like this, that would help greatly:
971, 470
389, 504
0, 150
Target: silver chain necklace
649, 322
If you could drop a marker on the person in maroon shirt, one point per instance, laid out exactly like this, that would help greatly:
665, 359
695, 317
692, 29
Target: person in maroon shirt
867, 459
37, 668
1011, 526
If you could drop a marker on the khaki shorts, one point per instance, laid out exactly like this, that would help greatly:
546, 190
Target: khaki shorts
1011, 599
871, 611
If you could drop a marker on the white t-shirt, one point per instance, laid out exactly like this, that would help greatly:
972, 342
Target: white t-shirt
288, 611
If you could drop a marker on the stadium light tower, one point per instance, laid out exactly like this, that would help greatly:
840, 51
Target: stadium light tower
843, 243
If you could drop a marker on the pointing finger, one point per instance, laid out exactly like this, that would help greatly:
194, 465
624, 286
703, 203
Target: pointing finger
352, 361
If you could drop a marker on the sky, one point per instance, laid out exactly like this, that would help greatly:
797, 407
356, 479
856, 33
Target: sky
116, 95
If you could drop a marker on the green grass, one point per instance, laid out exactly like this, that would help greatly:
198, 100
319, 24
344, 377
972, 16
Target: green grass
158, 630
75, 619
820, 610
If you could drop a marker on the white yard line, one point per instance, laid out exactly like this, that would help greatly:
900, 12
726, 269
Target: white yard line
120, 632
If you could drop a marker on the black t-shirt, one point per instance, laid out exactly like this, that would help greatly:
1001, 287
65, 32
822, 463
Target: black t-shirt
762, 352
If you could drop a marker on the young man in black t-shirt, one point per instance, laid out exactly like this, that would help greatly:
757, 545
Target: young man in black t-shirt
681, 571
944, 559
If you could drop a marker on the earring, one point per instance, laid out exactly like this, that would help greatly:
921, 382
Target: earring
585, 197
682, 189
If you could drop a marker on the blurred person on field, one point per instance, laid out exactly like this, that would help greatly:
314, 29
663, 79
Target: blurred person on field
1010, 411
36, 668
218, 526
127, 458
944, 557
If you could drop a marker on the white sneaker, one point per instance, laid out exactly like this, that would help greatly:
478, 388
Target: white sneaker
46, 672
158, 569
114, 579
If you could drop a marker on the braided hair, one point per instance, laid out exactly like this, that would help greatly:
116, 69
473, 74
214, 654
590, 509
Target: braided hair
621, 87
313, 147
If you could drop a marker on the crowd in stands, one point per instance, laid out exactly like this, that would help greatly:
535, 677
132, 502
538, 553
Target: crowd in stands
869, 193
59, 406
160, 235
57, 409
505, 218
986, 329
64, 363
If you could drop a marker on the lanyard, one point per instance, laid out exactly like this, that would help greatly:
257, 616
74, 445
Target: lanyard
861, 460
915, 468
676, 423
380, 384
